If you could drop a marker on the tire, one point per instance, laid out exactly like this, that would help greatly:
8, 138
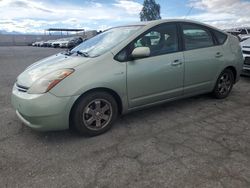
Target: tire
224, 84
94, 113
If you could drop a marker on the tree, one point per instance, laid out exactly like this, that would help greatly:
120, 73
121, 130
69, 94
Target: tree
150, 11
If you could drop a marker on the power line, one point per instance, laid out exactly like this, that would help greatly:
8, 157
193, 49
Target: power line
189, 12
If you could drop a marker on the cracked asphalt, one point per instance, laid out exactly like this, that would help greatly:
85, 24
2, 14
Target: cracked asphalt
195, 142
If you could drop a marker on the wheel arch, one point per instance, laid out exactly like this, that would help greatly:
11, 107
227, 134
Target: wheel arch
233, 69
99, 89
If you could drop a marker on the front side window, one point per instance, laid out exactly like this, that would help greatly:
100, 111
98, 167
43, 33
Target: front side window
105, 41
160, 40
196, 37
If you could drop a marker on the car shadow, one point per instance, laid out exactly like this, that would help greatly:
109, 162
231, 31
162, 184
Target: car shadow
136, 116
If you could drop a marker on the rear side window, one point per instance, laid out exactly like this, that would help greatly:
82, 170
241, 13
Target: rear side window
196, 37
221, 37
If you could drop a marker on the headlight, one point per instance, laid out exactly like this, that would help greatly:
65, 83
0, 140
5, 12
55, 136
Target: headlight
48, 81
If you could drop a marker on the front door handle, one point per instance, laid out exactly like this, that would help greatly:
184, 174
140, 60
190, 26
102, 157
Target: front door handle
176, 62
218, 55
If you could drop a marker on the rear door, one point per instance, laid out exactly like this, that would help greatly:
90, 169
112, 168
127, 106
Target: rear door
203, 58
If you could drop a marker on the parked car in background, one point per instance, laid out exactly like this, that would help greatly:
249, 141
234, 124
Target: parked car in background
232, 32
40, 43
71, 42
244, 38
68, 42
241, 33
124, 69
244, 31
35, 44
245, 45
63, 42
56, 43
48, 43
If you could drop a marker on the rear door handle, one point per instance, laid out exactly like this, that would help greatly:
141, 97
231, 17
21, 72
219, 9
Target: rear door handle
176, 62
218, 55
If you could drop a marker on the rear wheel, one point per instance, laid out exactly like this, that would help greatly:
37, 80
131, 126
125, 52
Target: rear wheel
224, 84
94, 113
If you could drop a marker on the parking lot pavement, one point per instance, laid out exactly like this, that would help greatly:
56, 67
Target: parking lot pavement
195, 142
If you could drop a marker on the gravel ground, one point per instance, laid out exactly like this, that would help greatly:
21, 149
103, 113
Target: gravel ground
196, 142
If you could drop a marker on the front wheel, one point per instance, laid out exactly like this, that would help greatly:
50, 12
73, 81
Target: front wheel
224, 84
94, 113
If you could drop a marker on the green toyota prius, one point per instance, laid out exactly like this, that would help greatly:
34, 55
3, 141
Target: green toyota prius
124, 69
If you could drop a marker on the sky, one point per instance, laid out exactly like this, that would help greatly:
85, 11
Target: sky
34, 16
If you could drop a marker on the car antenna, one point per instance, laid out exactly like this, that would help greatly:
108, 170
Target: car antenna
189, 11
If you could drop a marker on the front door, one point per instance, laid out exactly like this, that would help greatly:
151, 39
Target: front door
160, 76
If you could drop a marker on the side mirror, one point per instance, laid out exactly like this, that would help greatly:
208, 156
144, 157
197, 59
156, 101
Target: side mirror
140, 52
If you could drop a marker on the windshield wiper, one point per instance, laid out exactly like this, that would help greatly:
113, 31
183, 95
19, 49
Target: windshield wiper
85, 54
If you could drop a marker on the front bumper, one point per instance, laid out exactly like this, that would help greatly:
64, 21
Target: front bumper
42, 112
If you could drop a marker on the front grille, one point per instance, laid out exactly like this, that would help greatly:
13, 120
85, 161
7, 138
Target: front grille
247, 61
22, 88
246, 52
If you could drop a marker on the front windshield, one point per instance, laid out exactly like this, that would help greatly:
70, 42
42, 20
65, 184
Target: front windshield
105, 41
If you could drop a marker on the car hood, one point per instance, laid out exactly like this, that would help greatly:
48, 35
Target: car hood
47, 65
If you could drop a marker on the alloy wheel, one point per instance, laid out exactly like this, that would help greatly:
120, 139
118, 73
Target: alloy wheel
225, 83
97, 114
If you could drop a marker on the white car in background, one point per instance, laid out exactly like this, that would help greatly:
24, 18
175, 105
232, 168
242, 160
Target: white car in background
241, 32
35, 43
56, 44
71, 42
245, 45
48, 43
244, 38
64, 43
40, 43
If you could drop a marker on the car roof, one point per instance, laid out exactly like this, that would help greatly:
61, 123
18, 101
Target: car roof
157, 22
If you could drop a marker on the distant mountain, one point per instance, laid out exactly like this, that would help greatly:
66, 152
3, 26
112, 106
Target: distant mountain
10, 33
19, 33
